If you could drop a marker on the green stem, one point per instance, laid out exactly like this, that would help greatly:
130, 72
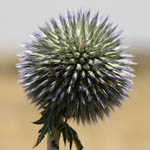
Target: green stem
53, 140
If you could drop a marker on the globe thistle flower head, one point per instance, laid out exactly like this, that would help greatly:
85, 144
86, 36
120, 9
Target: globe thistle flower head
76, 67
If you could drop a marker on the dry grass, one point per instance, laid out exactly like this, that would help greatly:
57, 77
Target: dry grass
128, 128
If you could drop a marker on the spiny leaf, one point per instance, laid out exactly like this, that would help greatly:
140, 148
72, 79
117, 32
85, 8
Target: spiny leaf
70, 135
41, 120
42, 133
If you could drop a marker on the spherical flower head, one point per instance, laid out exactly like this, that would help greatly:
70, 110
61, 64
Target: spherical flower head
76, 67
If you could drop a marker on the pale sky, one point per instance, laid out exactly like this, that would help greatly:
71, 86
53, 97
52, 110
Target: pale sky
19, 18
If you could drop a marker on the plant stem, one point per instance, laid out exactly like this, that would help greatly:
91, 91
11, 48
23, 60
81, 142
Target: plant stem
53, 140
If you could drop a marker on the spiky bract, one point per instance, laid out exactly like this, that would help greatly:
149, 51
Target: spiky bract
76, 67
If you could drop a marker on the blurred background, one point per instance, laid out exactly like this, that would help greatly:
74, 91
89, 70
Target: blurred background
128, 128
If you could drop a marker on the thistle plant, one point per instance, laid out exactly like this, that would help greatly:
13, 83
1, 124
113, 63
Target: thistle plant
74, 68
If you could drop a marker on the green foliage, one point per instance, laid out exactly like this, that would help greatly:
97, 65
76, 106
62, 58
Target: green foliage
69, 134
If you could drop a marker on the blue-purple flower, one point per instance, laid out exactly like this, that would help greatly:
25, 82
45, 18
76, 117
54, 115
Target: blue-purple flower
76, 68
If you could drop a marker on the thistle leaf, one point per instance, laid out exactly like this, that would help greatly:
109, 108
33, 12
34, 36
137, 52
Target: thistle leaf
42, 133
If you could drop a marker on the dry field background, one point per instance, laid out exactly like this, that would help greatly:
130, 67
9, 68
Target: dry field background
128, 128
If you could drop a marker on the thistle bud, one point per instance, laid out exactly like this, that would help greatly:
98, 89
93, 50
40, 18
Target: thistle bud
76, 68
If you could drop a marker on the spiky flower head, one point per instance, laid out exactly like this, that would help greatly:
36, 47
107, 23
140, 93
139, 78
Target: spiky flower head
76, 67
